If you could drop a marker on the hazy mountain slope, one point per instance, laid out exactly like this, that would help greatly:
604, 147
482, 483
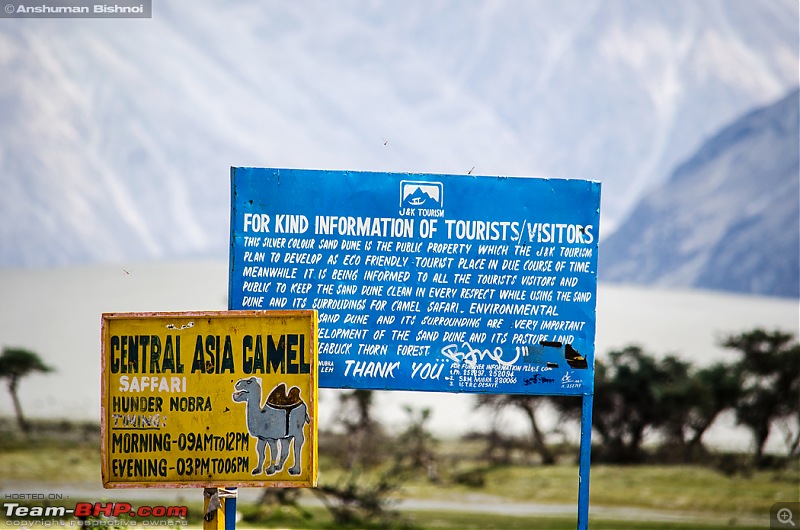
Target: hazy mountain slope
727, 219
116, 136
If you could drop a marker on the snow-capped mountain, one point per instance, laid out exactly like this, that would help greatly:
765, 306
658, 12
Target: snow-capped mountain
727, 219
116, 136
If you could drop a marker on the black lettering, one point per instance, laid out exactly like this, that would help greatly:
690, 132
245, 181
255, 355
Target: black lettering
291, 354
198, 361
287, 356
130, 345
155, 354
115, 354
247, 362
258, 356
227, 356
190, 404
168, 361
276, 355
212, 350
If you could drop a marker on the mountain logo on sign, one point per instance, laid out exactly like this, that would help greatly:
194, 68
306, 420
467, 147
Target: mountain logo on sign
418, 198
414, 194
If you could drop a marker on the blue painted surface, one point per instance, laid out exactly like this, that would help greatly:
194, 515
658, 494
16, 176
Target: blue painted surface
230, 510
426, 282
585, 461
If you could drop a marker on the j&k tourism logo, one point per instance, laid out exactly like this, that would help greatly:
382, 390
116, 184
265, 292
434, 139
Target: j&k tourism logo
423, 199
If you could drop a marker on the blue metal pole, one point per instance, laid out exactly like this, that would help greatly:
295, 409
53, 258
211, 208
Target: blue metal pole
585, 461
230, 511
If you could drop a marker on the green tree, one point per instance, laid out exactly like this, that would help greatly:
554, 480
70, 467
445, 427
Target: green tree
416, 446
16, 363
529, 405
770, 369
715, 389
364, 435
676, 397
635, 394
630, 403
356, 498
691, 401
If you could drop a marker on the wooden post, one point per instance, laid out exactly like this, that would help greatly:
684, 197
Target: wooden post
213, 510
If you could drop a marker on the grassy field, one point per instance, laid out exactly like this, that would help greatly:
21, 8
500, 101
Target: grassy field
678, 488
677, 497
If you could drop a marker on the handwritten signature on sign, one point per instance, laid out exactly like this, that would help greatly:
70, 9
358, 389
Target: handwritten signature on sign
470, 356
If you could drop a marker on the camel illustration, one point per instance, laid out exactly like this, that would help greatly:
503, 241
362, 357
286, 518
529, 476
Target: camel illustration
279, 422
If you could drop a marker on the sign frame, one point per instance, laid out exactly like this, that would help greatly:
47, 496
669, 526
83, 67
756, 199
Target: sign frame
426, 190
302, 399
285, 227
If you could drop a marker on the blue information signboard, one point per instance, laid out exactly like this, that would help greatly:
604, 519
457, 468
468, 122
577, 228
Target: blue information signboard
448, 283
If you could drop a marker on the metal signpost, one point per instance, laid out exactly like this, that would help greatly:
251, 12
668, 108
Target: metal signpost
426, 282
209, 399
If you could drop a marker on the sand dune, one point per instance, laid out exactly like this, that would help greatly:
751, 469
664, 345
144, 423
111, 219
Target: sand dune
57, 313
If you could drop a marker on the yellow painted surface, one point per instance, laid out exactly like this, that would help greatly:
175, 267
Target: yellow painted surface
216, 520
196, 399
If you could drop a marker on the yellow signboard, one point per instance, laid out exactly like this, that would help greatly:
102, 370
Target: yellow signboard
209, 399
